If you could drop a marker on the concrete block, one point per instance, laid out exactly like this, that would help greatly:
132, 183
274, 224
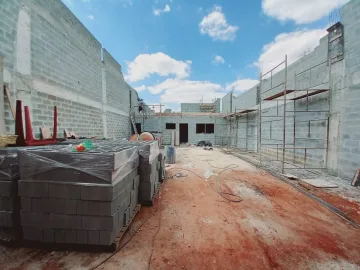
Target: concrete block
6, 219
60, 221
81, 237
97, 193
6, 189
107, 238
146, 191
136, 182
32, 233
25, 204
33, 189
64, 190
6, 204
70, 236
93, 237
99, 222
60, 236
49, 235
98, 208
55, 206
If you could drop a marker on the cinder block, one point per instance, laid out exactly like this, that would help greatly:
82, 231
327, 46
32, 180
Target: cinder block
99, 222
71, 236
25, 204
93, 237
107, 238
146, 191
55, 206
49, 235
97, 193
64, 190
32, 233
33, 189
60, 236
81, 237
136, 182
6, 189
6, 204
6, 219
62, 221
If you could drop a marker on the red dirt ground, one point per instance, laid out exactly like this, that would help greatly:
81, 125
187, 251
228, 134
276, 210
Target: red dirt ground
273, 227
350, 208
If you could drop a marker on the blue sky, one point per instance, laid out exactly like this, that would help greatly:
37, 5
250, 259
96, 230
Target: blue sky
186, 50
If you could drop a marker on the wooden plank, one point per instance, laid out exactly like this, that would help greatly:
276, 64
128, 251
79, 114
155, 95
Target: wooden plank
310, 93
290, 176
12, 108
356, 180
319, 183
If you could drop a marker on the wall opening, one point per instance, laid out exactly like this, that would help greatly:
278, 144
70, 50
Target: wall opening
205, 128
184, 133
170, 126
138, 128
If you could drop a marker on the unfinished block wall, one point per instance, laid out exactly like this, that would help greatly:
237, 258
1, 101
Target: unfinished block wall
341, 125
156, 122
50, 59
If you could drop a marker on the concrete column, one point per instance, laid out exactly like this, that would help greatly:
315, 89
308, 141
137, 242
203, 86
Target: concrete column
2, 113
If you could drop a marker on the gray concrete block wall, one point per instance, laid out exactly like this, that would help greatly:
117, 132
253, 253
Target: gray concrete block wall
349, 148
118, 126
219, 124
190, 107
84, 120
47, 50
117, 90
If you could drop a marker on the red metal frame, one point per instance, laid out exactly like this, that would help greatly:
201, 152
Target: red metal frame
19, 128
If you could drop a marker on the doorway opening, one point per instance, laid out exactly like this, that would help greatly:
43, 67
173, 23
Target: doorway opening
184, 133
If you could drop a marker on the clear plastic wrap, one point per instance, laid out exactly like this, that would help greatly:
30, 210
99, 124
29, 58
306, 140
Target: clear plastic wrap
9, 165
104, 163
148, 150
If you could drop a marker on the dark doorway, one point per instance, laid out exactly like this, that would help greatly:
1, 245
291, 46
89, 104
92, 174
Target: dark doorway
138, 128
184, 133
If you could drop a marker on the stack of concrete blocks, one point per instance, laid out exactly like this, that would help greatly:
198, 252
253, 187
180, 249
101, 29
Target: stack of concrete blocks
149, 167
9, 200
148, 171
77, 198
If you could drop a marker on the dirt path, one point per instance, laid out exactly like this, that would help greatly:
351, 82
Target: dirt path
273, 227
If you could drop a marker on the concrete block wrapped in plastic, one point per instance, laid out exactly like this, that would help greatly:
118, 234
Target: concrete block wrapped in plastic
102, 164
148, 150
9, 166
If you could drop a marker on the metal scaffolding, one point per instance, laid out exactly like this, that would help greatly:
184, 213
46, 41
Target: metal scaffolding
288, 96
233, 139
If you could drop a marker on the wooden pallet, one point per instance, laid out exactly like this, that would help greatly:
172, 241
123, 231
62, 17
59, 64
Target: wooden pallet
116, 244
84, 247
152, 201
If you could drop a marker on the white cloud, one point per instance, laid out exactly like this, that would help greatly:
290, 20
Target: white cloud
241, 85
180, 91
157, 12
217, 59
216, 26
91, 17
141, 88
159, 63
300, 11
294, 44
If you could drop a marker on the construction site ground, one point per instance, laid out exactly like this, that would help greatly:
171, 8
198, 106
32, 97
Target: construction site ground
195, 224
